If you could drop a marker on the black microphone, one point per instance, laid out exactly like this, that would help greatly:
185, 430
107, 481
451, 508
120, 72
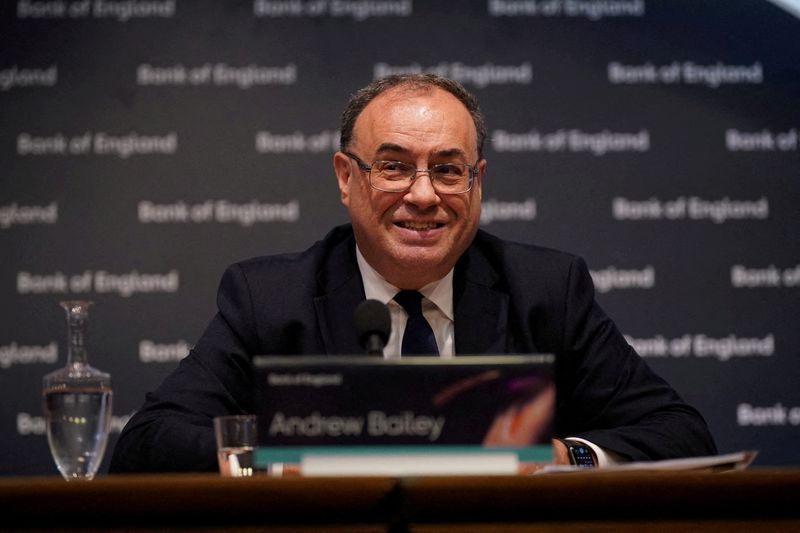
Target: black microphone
374, 325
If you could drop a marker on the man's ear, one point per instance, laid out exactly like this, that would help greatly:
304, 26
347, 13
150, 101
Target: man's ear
479, 177
344, 171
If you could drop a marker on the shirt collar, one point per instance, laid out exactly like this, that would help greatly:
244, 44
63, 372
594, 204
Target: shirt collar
440, 292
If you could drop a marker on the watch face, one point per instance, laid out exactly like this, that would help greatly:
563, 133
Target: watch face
581, 455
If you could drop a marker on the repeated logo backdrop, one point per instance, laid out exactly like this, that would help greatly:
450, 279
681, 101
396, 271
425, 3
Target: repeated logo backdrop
145, 145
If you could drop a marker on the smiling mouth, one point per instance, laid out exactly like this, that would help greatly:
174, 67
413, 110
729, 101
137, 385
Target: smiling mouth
419, 226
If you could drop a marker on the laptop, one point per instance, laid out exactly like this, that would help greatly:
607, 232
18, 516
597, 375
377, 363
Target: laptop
367, 415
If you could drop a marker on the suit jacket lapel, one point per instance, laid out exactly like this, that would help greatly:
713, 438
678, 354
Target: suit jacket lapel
341, 290
480, 308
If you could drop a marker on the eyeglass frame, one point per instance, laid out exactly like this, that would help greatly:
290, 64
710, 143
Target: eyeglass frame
473, 170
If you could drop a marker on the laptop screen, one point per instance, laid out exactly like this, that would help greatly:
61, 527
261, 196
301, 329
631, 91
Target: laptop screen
328, 401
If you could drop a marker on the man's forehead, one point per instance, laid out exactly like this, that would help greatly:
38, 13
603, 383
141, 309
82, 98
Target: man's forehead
398, 96
381, 107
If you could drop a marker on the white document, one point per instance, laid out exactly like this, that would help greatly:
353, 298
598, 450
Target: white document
410, 465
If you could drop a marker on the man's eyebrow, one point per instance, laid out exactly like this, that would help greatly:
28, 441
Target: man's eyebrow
449, 152
391, 147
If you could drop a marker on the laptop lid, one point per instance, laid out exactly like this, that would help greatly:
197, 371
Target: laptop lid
474, 401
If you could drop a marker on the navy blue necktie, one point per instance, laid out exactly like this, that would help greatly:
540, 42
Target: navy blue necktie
418, 338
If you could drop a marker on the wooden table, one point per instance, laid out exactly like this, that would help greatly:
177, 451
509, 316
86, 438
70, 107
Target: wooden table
753, 500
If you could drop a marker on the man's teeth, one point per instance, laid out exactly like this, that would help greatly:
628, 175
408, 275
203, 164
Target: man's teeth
419, 226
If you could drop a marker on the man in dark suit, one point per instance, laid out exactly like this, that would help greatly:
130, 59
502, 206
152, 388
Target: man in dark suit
409, 173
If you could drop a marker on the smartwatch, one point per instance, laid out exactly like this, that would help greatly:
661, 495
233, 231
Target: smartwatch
580, 454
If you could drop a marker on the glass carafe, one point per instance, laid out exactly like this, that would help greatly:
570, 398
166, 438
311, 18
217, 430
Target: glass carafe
77, 404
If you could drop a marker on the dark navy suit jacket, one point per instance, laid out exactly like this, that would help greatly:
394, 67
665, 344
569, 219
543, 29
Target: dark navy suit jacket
508, 298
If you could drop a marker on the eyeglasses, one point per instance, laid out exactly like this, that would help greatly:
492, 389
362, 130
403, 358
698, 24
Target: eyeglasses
396, 176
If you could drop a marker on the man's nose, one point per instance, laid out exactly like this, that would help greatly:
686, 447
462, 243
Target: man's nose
422, 194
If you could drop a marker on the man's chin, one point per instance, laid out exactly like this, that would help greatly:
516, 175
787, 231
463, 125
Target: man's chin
412, 267
421, 258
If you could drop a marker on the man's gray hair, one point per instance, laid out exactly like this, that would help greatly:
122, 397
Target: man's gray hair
413, 82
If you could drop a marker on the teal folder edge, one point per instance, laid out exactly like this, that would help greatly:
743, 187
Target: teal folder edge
266, 456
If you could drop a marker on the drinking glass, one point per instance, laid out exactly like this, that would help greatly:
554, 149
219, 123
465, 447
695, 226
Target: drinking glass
236, 441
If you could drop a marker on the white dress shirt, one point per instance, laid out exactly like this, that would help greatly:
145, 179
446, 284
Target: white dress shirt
437, 308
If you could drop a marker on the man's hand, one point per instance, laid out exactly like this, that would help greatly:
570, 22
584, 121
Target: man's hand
560, 453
